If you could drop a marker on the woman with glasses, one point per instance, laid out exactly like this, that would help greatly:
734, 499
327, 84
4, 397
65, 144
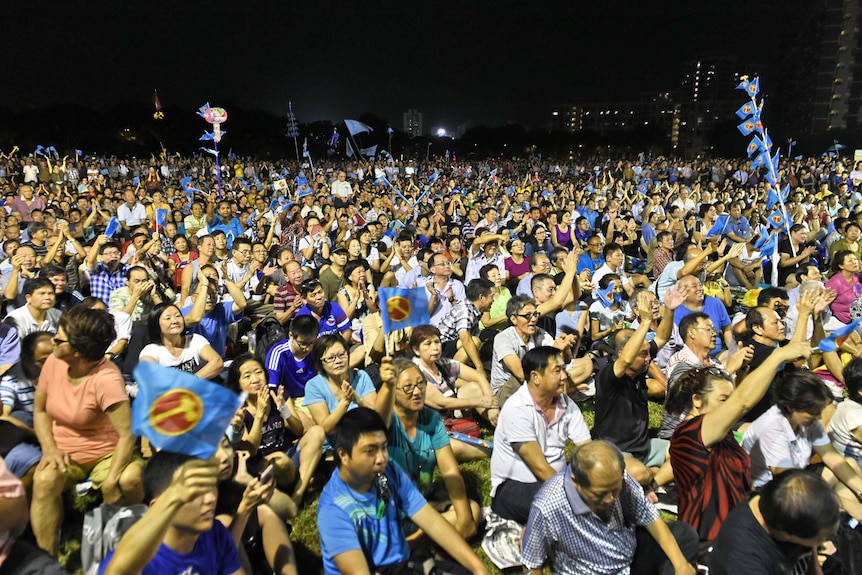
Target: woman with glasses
418, 442
712, 472
336, 389
538, 241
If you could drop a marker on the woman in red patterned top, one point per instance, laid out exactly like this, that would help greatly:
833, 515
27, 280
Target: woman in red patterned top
711, 470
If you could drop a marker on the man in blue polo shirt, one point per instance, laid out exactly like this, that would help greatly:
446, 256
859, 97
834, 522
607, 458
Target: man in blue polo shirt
593, 258
329, 314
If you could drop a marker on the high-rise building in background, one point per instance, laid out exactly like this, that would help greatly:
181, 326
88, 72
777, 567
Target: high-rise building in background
838, 81
413, 122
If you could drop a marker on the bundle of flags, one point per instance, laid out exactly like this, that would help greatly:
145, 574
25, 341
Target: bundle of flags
761, 144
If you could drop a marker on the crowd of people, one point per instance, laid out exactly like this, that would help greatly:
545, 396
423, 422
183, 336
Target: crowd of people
551, 286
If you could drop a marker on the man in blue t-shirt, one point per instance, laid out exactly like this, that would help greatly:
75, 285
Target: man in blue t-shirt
359, 515
178, 533
211, 318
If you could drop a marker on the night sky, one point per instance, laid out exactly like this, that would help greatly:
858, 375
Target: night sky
458, 62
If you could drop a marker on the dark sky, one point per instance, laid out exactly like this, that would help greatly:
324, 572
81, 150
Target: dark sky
467, 61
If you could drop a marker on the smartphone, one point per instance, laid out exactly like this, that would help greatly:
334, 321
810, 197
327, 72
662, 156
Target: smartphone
269, 262
267, 474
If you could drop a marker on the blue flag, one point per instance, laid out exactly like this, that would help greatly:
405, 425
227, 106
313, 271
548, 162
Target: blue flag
136, 181
180, 412
401, 307
643, 188
186, 183
837, 338
608, 297
753, 87
771, 198
720, 225
760, 160
745, 111
746, 127
777, 219
113, 227
161, 217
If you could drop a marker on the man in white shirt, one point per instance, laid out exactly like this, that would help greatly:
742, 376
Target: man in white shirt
341, 188
131, 213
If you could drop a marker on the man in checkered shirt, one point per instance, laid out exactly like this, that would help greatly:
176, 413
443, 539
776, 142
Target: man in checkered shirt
592, 518
106, 271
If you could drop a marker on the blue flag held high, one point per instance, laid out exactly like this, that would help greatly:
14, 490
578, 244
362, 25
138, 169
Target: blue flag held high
777, 220
113, 227
401, 308
720, 225
180, 412
161, 217
837, 338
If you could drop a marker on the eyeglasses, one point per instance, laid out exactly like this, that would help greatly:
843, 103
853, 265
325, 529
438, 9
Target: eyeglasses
58, 341
243, 252
528, 315
409, 389
335, 358
709, 329
304, 344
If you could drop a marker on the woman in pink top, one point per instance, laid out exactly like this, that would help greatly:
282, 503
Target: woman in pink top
844, 280
83, 422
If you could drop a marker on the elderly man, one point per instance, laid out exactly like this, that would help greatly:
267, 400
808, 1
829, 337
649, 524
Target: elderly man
287, 300
511, 344
532, 432
696, 301
594, 518
540, 263
698, 335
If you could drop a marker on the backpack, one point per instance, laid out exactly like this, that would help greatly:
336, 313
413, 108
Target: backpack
104, 526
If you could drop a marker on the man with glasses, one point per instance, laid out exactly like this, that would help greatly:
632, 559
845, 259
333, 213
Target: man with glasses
593, 258
444, 292
698, 335
106, 271
696, 301
511, 344
331, 318
290, 364
540, 263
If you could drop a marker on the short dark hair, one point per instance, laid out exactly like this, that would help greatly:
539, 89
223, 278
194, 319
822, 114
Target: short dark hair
136, 268
587, 456
52, 270
478, 287
34, 227
160, 470
538, 279
37, 283
304, 326
689, 323
611, 248
537, 359
800, 390
754, 318
90, 331
352, 425
239, 242
853, 379
799, 503
106, 246
771, 293
233, 373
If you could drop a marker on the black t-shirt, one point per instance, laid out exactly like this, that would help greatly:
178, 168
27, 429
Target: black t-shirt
743, 547
761, 352
622, 411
